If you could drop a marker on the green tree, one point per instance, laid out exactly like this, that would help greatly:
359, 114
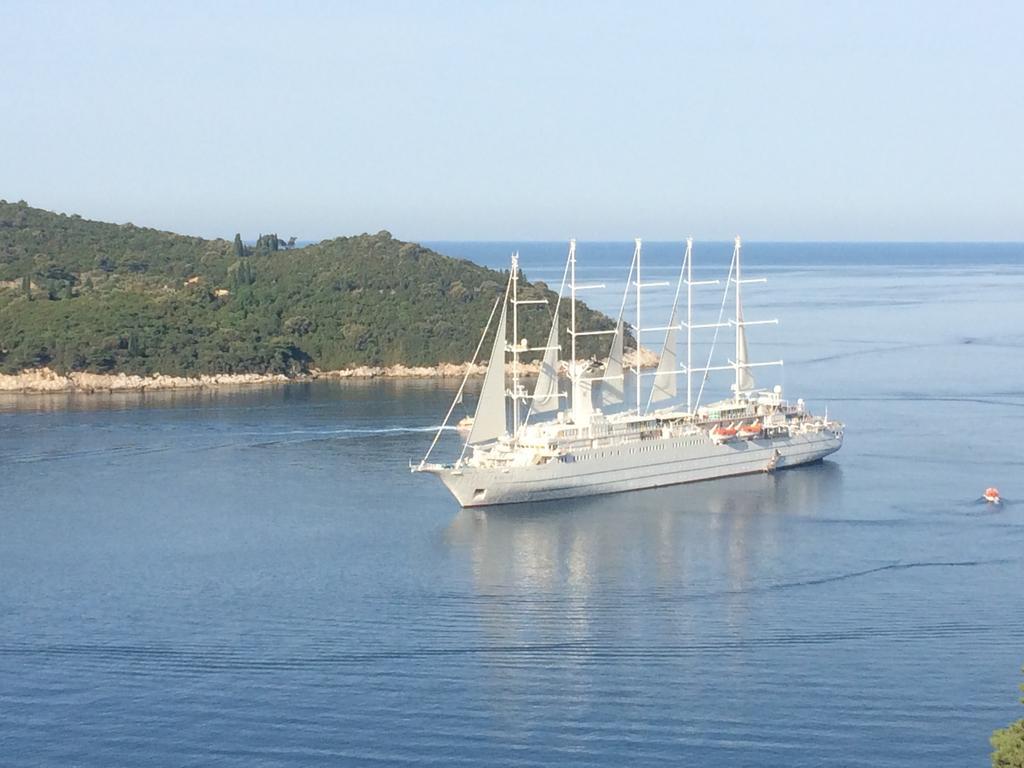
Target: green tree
1008, 744
241, 273
299, 325
268, 243
133, 344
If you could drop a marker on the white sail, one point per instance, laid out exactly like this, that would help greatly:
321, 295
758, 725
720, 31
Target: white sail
490, 421
612, 386
545, 394
665, 380
745, 379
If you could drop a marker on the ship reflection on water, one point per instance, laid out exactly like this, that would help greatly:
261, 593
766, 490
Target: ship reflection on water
591, 597
663, 539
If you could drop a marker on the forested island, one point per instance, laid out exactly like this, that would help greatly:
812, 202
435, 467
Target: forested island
89, 296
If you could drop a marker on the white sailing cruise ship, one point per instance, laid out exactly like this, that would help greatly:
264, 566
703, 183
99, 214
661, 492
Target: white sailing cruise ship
550, 444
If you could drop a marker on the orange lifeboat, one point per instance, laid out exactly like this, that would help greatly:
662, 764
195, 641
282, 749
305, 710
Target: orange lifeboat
722, 434
991, 495
750, 430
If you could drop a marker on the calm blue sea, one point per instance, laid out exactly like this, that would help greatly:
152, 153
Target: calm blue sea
254, 578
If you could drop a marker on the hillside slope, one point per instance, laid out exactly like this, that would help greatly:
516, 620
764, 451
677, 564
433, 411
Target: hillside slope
92, 296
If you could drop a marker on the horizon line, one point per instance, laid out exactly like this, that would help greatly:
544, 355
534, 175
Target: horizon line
548, 241
773, 241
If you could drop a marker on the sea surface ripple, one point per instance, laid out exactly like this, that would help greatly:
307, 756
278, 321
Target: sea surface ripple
256, 578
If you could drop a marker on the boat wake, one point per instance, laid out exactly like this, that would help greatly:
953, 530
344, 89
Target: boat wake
357, 431
300, 436
884, 568
285, 437
198, 659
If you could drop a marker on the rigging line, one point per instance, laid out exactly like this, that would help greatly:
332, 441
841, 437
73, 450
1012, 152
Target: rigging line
714, 339
558, 304
672, 314
462, 386
504, 301
625, 293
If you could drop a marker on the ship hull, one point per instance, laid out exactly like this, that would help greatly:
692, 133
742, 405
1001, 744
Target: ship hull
634, 467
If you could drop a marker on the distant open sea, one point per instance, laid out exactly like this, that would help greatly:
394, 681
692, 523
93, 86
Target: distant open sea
254, 578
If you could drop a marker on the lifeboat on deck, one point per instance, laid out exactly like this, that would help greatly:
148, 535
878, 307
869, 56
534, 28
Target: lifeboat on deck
750, 430
722, 434
991, 495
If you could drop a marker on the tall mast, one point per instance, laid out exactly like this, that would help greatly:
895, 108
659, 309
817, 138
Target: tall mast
572, 316
515, 343
689, 324
739, 314
582, 406
636, 364
519, 345
690, 283
744, 379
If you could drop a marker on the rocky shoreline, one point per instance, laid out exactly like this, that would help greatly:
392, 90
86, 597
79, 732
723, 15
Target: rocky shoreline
48, 381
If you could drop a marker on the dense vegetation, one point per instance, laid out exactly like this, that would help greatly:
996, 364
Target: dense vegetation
85, 295
1008, 745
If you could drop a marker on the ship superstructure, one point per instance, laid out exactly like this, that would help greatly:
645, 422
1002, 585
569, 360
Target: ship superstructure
550, 444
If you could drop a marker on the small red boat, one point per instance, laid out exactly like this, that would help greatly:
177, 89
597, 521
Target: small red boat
991, 495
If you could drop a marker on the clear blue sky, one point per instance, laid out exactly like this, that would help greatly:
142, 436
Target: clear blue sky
480, 120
